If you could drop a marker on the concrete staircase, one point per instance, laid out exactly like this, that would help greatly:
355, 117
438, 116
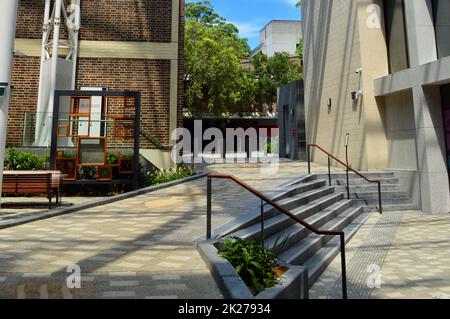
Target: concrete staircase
326, 208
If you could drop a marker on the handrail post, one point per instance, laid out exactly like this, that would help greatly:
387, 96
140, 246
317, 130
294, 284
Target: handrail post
208, 207
308, 151
329, 170
344, 268
262, 222
379, 198
348, 185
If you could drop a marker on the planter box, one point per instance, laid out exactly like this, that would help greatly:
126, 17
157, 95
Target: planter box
293, 284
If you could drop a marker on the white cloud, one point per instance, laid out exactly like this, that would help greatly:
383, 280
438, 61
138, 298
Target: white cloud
248, 29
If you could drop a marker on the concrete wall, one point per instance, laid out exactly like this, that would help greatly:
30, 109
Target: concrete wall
337, 41
280, 36
400, 130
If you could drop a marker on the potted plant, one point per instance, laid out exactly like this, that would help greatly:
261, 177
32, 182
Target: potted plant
257, 265
112, 159
246, 269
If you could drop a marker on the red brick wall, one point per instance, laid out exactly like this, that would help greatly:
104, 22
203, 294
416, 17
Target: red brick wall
108, 20
150, 77
25, 81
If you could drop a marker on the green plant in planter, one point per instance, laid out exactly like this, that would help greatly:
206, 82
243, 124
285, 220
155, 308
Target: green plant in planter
255, 263
70, 154
112, 159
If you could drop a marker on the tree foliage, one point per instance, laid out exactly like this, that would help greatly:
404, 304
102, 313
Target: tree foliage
216, 81
272, 73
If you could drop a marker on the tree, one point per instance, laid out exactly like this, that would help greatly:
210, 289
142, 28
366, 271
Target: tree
272, 73
215, 80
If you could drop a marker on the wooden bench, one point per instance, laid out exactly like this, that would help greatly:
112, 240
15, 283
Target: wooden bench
33, 182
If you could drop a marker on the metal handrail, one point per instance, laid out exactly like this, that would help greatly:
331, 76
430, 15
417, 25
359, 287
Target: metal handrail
348, 168
264, 198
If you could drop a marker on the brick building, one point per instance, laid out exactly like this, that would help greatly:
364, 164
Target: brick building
123, 45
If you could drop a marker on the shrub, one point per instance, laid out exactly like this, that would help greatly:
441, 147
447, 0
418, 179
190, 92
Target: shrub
26, 161
163, 176
255, 263
112, 159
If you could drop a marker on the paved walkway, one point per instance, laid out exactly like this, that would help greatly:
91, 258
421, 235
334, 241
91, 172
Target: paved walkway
136, 248
397, 255
143, 247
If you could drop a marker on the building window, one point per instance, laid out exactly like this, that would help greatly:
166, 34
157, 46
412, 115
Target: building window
394, 16
441, 13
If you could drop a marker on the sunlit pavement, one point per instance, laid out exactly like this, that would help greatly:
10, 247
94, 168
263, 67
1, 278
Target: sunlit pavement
143, 247
394, 256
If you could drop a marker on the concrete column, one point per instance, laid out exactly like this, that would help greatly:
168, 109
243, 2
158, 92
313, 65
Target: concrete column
420, 32
431, 150
374, 64
8, 13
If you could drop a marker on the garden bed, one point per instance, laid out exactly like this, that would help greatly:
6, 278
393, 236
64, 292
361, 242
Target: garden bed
292, 285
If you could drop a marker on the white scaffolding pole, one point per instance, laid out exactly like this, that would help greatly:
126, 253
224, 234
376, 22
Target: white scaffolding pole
58, 61
8, 14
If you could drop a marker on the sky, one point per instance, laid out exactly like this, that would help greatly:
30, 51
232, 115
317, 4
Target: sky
250, 16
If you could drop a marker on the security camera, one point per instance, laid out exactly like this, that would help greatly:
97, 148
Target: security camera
358, 71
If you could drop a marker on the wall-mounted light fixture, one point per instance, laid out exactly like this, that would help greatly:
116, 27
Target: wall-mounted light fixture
330, 103
356, 95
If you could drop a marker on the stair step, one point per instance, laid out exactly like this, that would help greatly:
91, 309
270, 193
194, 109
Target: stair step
297, 232
373, 194
320, 261
392, 208
370, 187
279, 222
305, 198
299, 253
385, 201
370, 175
360, 181
303, 188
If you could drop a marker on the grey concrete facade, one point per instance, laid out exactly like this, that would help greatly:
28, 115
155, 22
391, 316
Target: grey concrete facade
279, 36
409, 100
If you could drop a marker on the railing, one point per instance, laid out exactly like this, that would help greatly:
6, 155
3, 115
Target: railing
281, 209
149, 137
348, 168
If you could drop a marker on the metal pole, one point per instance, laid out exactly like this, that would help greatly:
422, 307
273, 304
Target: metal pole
344, 268
308, 151
262, 221
379, 198
8, 14
346, 161
208, 208
329, 170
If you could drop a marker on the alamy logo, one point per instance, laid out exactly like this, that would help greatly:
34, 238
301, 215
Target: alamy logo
374, 18
74, 279
374, 279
